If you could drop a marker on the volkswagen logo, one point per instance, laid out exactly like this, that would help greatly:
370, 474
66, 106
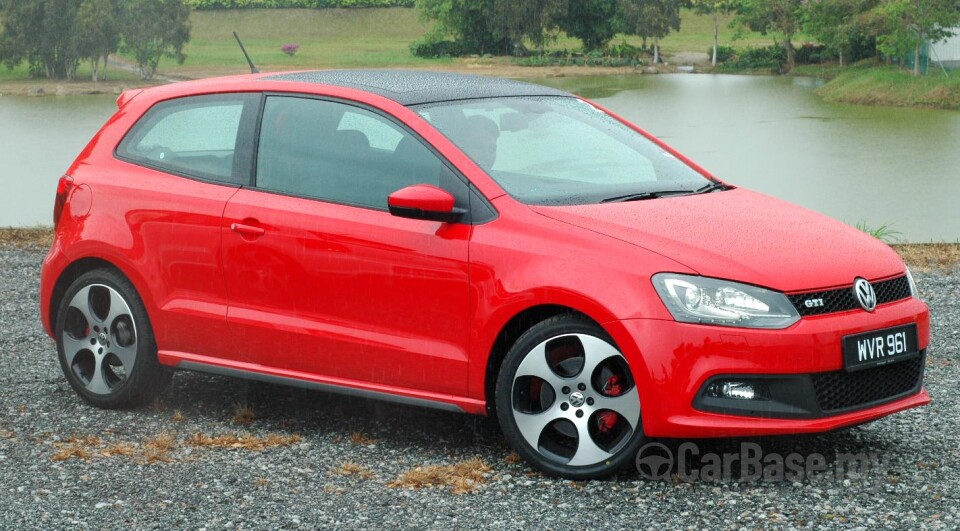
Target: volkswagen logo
576, 399
865, 295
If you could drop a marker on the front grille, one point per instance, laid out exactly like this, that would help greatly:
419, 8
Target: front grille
840, 390
843, 299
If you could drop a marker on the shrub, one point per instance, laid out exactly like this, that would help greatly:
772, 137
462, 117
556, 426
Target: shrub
280, 4
811, 53
432, 49
724, 53
290, 49
766, 57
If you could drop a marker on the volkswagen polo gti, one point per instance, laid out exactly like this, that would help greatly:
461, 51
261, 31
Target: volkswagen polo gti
471, 244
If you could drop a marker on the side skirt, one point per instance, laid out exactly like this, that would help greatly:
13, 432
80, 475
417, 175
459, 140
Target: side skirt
265, 374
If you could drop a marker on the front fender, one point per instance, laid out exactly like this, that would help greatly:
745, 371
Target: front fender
518, 265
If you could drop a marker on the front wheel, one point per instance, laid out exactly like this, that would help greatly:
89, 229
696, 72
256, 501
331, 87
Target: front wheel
567, 401
105, 342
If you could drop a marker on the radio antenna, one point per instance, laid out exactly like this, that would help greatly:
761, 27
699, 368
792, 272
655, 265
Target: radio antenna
253, 69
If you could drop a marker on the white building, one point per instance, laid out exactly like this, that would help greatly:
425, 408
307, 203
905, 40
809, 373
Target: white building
947, 52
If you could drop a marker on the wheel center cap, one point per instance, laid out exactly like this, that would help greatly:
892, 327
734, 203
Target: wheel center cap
102, 337
576, 399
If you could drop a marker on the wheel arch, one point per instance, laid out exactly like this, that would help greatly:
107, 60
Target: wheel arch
75, 270
508, 335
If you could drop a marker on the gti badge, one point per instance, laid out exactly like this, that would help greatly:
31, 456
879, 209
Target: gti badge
865, 295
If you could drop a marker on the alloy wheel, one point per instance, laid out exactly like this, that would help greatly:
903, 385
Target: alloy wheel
99, 338
574, 400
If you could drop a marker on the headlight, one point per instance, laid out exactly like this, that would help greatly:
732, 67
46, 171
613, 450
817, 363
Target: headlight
913, 285
693, 299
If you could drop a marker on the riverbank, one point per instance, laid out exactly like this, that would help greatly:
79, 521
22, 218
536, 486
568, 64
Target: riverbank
889, 86
479, 66
342, 38
920, 256
348, 38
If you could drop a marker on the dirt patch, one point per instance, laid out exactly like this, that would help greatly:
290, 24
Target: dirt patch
689, 59
243, 441
927, 256
26, 237
353, 469
462, 477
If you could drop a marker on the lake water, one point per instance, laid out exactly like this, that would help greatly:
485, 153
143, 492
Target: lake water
898, 167
39, 138
878, 166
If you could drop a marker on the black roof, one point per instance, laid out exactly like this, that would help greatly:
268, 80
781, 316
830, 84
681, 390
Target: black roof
415, 87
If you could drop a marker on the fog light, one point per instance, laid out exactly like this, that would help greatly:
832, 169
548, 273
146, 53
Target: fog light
735, 390
743, 391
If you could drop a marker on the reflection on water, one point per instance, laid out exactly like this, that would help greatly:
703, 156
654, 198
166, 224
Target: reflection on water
899, 167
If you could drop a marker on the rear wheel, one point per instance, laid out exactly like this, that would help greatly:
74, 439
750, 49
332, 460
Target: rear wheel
105, 342
567, 401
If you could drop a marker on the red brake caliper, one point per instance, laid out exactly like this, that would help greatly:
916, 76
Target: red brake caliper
607, 420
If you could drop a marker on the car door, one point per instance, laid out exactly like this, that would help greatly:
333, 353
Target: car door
321, 279
185, 157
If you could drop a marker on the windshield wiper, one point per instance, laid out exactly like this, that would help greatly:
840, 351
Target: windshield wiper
656, 194
640, 196
713, 186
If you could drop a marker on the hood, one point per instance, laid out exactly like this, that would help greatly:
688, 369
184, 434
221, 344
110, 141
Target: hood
741, 235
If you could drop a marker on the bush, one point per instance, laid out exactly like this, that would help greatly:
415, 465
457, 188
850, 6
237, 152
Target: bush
767, 57
432, 49
594, 58
724, 53
811, 54
280, 4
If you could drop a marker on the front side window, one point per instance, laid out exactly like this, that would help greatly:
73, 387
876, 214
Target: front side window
338, 152
559, 150
195, 136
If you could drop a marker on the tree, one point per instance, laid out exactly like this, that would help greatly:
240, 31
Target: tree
493, 26
466, 21
911, 22
594, 22
653, 19
714, 8
42, 33
535, 20
781, 16
98, 32
152, 29
844, 27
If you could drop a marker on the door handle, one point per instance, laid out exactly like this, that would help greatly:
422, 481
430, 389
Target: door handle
247, 230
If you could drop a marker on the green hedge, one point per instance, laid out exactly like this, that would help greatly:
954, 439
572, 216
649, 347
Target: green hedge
279, 4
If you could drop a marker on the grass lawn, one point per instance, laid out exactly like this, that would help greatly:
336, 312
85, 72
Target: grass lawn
348, 38
873, 84
351, 38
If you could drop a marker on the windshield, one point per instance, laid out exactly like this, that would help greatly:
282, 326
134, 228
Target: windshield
560, 150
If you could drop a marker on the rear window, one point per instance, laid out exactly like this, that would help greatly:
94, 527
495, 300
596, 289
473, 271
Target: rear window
195, 136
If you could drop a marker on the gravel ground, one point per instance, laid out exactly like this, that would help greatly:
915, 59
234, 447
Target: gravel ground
143, 471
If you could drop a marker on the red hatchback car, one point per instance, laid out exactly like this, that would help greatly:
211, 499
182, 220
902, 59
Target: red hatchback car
472, 244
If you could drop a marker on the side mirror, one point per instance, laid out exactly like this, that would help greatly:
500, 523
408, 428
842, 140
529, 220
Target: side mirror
424, 201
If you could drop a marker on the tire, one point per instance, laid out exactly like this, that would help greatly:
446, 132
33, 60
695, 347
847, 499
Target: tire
105, 342
555, 393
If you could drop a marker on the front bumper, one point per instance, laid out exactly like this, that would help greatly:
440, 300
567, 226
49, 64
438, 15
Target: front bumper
672, 362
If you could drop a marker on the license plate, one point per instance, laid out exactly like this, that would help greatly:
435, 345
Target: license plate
880, 347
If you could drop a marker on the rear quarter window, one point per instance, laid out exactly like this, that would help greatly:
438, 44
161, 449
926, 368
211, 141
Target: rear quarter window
198, 136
